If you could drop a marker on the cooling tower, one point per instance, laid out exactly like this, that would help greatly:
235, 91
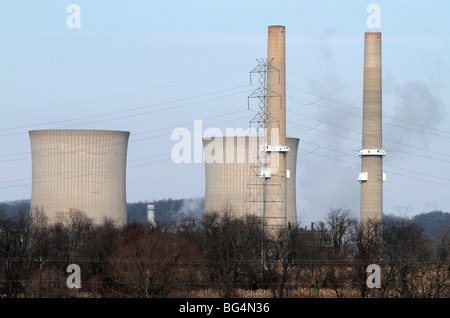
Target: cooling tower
260, 180
228, 171
256, 175
79, 169
371, 176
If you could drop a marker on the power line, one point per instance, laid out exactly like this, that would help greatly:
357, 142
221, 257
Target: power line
358, 108
138, 159
391, 172
136, 90
136, 108
439, 117
384, 164
384, 139
134, 134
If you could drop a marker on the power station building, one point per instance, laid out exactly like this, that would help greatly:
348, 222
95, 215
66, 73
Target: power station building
235, 175
86, 169
80, 169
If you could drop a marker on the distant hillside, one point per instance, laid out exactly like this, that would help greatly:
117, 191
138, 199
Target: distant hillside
167, 211
430, 222
13, 207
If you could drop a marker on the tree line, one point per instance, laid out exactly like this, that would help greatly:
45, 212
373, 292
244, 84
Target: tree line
169, 212
223, 255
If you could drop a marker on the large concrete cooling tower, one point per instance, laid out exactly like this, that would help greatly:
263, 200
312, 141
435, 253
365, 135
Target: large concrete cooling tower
371, 176
228, 172
265, 188
80, 169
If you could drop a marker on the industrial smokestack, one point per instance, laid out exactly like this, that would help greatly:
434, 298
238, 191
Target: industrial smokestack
276, 54
243, 183
151, 214
276, 199
371, 176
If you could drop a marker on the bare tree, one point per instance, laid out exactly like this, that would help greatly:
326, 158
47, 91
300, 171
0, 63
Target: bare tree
312, 249
102, 244
21, 240
279, 260
407, 252
367, 241
433, 277
441, 270
339, 223
70, 236
232, 250
147, 263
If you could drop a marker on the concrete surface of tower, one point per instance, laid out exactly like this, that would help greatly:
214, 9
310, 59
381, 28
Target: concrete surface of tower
276, 199
227, 180
372, 153
83, 170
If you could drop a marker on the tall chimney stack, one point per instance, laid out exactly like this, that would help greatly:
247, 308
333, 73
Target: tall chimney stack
276, 205
372, 176
276, 54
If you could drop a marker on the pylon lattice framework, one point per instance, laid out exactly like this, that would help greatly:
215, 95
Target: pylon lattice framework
256, 198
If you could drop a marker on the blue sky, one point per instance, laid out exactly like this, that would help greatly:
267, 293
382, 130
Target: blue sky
149, 67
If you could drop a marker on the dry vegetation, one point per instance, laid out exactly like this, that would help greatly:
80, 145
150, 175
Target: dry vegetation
223, 257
